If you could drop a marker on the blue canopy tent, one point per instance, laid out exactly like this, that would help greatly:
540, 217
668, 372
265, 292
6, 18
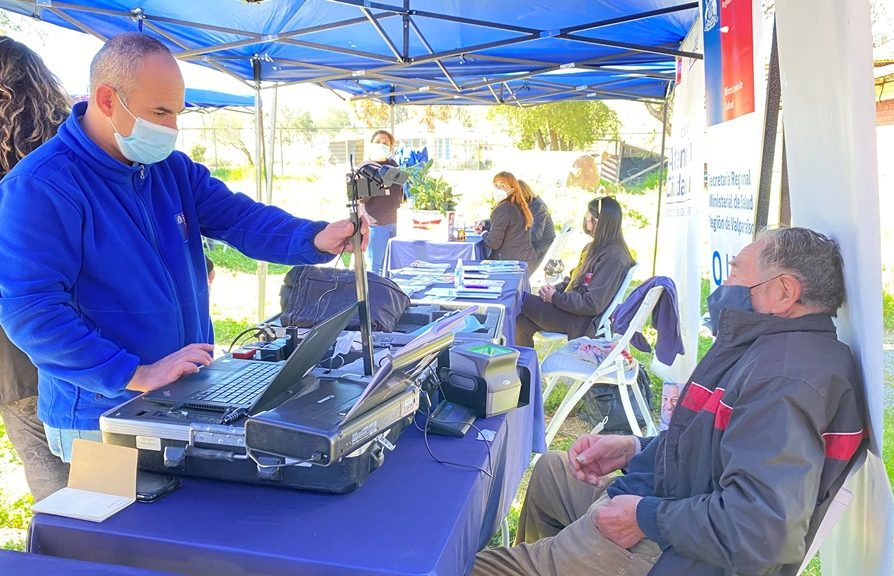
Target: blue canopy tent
199, 98
409, 51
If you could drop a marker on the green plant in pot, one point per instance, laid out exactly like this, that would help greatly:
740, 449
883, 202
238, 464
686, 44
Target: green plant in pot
430, 192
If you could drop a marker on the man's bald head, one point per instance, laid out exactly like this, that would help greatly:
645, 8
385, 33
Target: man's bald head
118, 62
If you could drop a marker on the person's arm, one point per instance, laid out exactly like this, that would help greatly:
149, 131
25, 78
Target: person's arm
257, 230
499, 222
538, 225
548, 236
607, 277
757, 519
41, 242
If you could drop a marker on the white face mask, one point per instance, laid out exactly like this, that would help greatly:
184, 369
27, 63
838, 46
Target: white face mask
378, 152
148, 143
500, 193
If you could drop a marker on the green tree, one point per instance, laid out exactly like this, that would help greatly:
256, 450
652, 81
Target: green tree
295, 125
558, 126
335, 118
230, 129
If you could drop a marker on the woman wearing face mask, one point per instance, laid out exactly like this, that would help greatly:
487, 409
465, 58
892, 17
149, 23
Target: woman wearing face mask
508, 235
381, 210
570, 306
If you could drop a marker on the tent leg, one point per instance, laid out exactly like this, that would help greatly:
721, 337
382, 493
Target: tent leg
660, 181
259, 163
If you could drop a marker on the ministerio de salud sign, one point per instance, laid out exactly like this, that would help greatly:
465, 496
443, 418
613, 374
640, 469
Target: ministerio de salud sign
733, 93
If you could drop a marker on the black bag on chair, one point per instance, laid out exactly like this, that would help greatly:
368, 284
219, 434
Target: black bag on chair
311, 294
604, 401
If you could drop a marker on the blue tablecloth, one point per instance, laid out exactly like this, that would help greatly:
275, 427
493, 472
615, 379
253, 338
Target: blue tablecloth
401, 253
413, 515
19, 564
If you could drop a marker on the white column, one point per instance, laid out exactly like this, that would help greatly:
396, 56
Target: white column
825, 56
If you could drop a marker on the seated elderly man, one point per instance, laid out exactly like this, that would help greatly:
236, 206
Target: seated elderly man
761, 439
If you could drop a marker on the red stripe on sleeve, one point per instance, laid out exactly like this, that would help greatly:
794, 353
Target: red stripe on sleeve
721, 419
842, 446
695, 397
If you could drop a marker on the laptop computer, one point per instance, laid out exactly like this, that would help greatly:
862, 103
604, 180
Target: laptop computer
431, 339
229, 384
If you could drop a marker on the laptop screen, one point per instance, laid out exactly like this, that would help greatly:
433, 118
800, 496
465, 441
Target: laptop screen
309, 351
435, 337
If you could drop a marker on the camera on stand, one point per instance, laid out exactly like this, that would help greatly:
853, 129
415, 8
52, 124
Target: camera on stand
369, 180
374, 179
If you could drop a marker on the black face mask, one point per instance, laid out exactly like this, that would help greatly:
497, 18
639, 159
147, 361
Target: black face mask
731, 298
728, 298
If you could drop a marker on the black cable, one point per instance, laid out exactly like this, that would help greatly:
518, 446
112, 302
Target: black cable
489, 472
256, 330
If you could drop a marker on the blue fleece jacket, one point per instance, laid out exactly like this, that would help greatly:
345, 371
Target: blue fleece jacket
103, 268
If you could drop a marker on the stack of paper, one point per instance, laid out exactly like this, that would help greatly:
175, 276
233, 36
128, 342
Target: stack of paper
430, 266
412, 285
486, 293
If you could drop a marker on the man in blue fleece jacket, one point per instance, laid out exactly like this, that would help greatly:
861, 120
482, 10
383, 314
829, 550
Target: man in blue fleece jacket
103, 280
759, 443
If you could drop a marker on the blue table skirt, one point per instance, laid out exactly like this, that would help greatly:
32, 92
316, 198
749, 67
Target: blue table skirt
413, 515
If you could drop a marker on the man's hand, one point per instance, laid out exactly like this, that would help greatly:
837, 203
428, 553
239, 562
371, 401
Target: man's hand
546, 292
336, 237
592, 456
617, 521
184, 361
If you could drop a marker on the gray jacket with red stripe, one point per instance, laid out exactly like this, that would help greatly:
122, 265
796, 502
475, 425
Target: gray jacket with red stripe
760, 441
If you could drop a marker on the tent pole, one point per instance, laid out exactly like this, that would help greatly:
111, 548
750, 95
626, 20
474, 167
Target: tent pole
259, 163
660, 181
269, 154
391, 118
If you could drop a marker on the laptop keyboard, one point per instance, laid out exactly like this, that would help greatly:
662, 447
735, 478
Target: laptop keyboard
243, 387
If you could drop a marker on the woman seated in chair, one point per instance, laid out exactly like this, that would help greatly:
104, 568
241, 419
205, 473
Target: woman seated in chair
571, 305
508, 232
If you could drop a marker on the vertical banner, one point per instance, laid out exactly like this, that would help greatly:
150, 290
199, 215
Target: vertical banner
734, 94
679, 251
830, 146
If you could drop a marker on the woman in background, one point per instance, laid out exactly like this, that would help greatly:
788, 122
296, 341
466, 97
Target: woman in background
543, 232
381, 211
570, 306
508, 235
32, 106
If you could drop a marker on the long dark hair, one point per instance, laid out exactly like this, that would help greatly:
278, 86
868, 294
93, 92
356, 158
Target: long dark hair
32, 102
607, 232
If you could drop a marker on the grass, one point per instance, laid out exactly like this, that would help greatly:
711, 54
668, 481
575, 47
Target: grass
231, 259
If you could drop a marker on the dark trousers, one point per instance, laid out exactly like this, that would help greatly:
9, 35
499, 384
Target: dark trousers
45, 472
537, 314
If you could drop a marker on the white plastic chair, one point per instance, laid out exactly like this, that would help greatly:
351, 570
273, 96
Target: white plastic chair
834, 512
604, 326
614, 369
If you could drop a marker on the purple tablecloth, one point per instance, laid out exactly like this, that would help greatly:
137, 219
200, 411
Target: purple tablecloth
401, 253
413, 516
19, 564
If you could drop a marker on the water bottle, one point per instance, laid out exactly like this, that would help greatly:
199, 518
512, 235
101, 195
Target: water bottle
458, 274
